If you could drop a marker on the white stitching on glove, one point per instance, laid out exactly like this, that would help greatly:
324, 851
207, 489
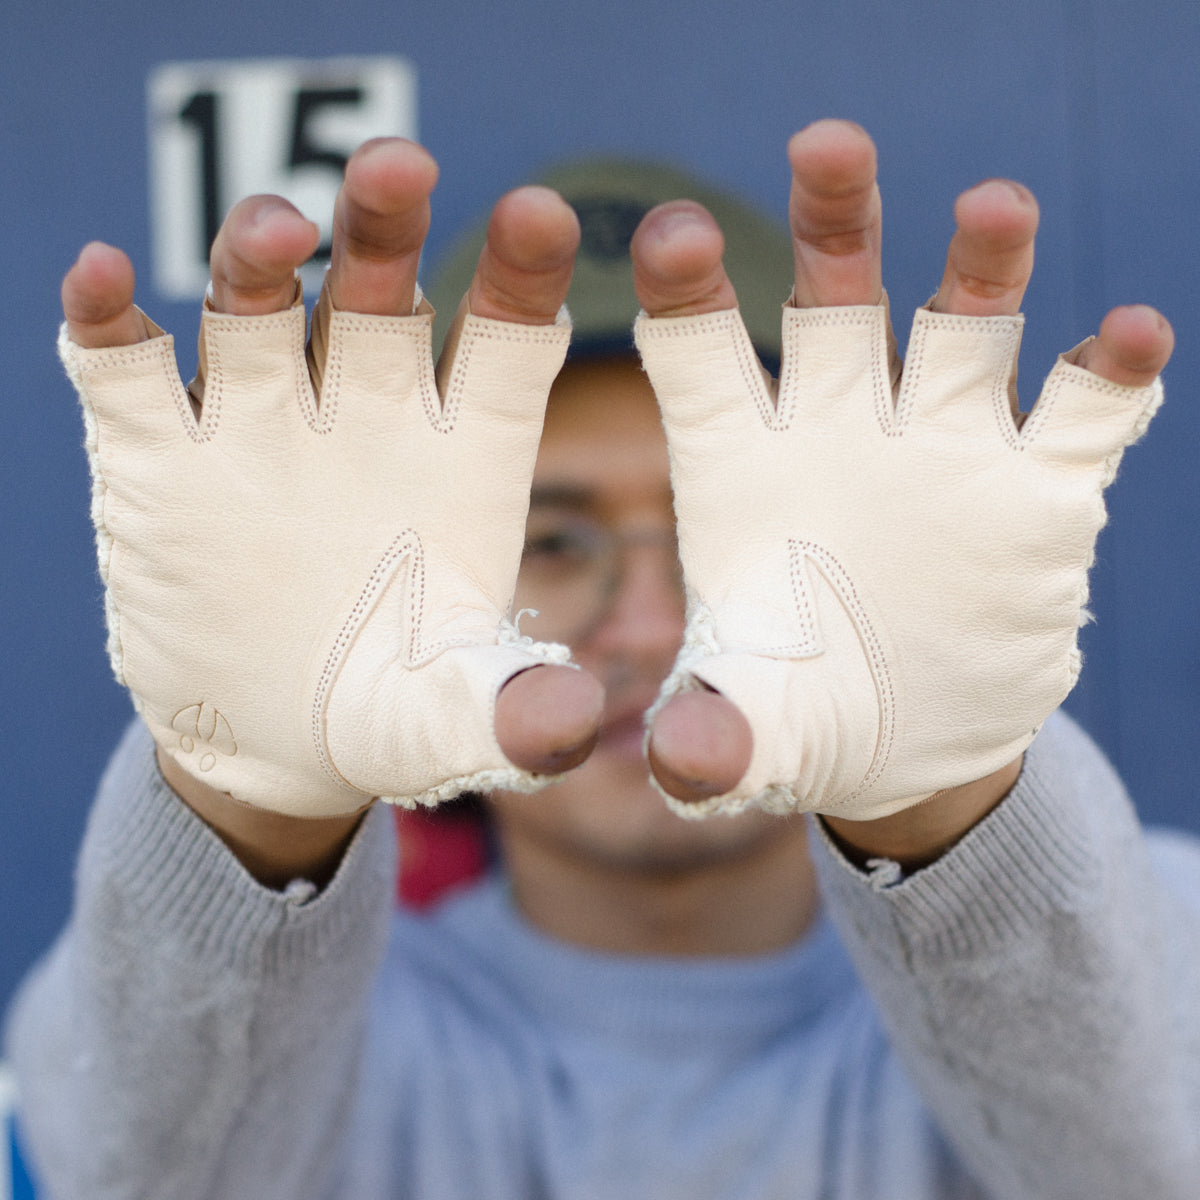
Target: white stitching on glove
309, 603
886, 580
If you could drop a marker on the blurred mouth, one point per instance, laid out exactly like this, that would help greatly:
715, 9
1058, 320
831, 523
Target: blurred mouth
623, 733
623, 738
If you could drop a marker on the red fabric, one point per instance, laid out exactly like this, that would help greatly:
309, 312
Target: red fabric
438, 853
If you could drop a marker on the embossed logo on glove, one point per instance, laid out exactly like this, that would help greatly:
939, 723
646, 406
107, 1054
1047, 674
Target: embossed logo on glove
308, 601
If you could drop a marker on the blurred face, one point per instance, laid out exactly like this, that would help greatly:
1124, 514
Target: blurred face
601, 569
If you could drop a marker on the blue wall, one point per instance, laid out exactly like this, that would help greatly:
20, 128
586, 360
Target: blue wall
1095, 105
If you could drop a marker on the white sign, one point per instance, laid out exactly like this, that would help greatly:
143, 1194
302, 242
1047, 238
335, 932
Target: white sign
220, 131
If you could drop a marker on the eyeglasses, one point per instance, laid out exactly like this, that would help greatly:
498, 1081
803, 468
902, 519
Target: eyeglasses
571, 570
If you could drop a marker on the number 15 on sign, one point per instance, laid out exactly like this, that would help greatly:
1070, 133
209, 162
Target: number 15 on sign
223, 130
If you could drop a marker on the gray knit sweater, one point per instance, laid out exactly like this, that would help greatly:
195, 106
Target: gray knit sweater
1019, 1021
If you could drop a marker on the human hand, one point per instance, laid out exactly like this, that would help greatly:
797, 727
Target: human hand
307, 596
885, 584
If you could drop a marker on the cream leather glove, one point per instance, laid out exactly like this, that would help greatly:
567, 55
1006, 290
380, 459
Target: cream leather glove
885, 574
308, 603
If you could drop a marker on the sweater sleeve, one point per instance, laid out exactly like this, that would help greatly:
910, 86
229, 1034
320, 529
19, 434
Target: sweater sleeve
193, 1034
1039, 983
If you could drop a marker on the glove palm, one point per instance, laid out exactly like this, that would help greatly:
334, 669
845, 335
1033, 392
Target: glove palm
308, 601
885, 572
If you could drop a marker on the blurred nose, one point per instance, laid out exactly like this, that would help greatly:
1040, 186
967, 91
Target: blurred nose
645, 617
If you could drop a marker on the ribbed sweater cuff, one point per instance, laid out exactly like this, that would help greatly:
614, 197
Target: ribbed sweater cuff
1041, 851
147, 850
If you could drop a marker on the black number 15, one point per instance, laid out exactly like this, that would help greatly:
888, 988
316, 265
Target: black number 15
202, 110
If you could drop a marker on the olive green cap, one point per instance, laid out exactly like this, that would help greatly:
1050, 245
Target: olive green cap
610, 197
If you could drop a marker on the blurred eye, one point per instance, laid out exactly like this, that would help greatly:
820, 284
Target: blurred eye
557, 545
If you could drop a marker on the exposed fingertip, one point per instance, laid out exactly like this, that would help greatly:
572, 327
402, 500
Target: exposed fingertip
255, 255
272, 230
1000, 211
548, 718
280, 221
98, 267
1133, 345
525, 266
97, 298
1139, 325
677, 252
837, 130
700, 746
1001, 185
676, 219
102, 252
382, 166
533, 228
380, 220
832, 156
